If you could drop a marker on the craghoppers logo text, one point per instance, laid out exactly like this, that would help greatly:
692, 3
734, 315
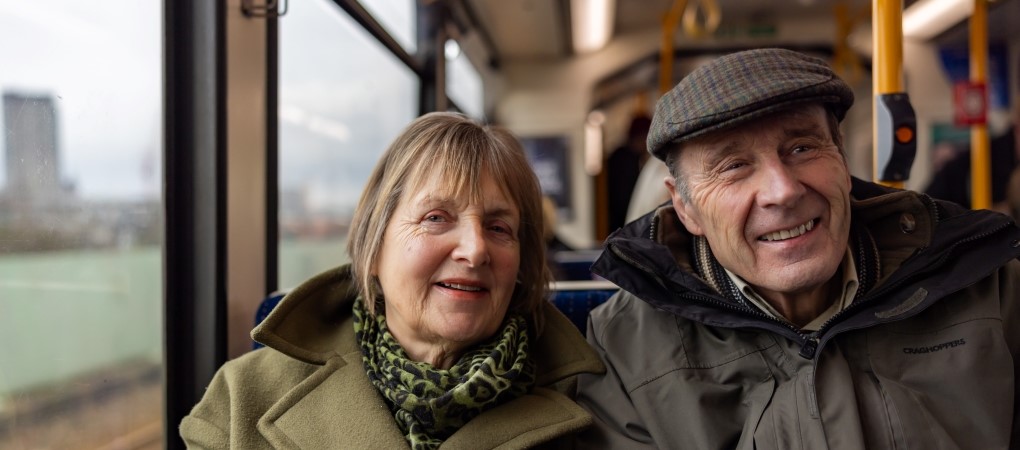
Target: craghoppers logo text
933, 348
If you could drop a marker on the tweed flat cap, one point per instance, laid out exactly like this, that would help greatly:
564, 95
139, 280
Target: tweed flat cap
738, 87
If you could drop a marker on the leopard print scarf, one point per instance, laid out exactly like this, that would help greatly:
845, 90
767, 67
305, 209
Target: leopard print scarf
430, 404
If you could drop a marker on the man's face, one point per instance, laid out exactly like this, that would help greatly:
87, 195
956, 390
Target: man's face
772, 197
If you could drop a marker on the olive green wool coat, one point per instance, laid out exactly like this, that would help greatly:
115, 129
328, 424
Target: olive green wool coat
309, 389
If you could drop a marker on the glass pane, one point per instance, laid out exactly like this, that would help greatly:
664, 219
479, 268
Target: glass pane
80, 224
463, 82
397, 17
343, 99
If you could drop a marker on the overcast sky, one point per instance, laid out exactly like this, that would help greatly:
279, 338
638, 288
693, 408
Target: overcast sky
100, 62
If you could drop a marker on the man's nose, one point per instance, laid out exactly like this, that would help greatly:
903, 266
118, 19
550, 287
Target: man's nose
780, 185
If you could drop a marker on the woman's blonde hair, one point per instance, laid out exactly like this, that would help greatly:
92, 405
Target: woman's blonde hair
457, 151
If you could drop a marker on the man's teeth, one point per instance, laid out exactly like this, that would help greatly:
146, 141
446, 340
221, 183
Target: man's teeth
791, 233
462, 287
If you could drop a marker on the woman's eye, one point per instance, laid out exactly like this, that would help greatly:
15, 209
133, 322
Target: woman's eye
434, 218
499, 228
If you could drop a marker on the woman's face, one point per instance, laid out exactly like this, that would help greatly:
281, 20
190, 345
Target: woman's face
447, 268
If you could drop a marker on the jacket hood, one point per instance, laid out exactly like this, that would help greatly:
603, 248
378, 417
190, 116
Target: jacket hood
313, 323
916, 235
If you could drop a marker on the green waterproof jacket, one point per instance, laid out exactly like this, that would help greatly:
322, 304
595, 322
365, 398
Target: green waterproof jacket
309, 390
926, 359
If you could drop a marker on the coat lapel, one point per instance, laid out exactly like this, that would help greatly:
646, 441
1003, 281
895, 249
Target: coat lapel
540, 416
335, 407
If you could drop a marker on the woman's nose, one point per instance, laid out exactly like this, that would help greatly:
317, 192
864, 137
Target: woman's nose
471, 246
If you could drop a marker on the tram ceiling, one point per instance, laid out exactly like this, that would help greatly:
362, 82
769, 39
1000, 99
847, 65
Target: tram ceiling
530, 30
527, 30
1003, 16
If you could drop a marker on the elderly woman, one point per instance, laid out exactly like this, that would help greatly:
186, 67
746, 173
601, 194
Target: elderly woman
438, 335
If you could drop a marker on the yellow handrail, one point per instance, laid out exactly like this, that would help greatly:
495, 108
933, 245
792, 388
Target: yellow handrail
669, 24
844, 59
980, 158
887, 73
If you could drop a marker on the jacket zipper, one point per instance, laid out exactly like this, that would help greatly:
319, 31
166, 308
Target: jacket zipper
808, 341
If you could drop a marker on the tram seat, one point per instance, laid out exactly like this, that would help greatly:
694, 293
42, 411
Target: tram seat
574, 265
575, 299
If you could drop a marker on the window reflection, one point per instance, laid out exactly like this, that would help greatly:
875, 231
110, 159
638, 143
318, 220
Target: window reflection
343, 98
80, 224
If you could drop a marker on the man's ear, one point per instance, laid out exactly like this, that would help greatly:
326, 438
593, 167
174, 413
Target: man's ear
683, 211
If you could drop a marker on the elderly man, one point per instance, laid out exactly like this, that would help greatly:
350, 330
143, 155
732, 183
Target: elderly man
779, 303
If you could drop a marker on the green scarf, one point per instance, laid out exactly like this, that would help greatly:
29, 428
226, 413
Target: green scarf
430, 404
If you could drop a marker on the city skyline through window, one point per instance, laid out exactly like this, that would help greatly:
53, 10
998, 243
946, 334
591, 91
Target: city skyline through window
80, 223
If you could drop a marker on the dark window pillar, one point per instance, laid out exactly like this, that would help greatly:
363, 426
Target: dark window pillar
431, 56
194, 136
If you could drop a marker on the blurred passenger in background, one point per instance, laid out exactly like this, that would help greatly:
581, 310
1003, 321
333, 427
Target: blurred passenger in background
952, 182
623, 167
553, 244
648, 192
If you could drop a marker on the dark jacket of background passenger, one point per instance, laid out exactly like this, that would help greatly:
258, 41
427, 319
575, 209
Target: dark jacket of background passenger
953, 181
924, 360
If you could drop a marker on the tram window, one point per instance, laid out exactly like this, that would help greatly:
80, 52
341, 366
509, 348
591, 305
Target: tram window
343, 98
463, 82
397, 17
80, 224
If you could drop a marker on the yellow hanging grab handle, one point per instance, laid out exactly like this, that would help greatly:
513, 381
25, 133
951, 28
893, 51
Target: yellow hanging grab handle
712, 16
687, 13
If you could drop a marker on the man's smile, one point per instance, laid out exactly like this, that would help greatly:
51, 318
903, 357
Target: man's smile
788, 234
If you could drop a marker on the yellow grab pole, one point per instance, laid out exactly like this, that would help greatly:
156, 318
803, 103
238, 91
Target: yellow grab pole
980, 159
887, 39
669, 25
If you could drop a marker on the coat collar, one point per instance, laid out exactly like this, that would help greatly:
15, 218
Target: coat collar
334, 405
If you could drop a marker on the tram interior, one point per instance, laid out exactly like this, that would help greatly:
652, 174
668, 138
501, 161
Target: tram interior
87, 282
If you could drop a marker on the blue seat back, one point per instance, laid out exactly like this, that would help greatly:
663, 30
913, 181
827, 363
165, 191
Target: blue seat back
265, 308
576, 299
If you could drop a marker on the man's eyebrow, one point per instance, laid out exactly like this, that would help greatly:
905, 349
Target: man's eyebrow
721, 150
805, 130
